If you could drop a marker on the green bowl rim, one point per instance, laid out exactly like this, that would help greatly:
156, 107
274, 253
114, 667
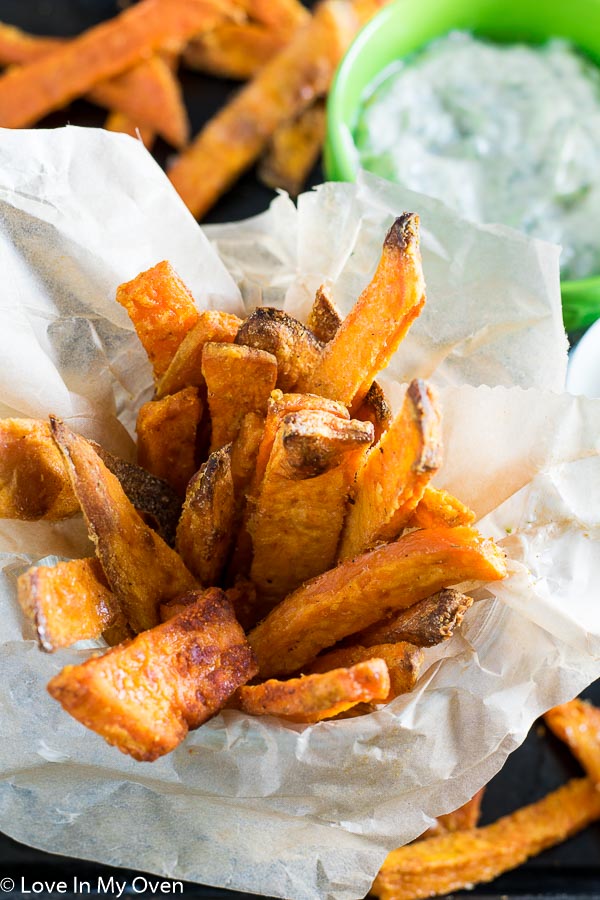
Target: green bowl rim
345, 168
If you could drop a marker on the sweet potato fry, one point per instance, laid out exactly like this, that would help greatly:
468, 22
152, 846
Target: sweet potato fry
395, 474
47, 83
427, 623
235, 137
234, 50
292, 344
440, 865
206, 529
283, 15
296, 519
293, 150
144, 696
465, 817
324, 318
369, 588
437, 508
166, 433
33, 480
185, 369
18, 47
122, 124
404, 663
244, 451
312, 698
68, 602
140, 568
578, 724
375, 409
386, 309
239, 380
162, 310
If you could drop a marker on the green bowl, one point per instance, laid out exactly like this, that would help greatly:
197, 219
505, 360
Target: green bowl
407, 25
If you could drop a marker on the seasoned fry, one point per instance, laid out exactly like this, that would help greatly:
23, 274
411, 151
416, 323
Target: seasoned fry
404, 663
144, 696
239, 380
68, 602
185, 369
140, 568
297, 517
292, 344
235, 137
395, 474
312, 698
166, 432
369, 588
425, 624
46, 84
375, 409
122, 124
324, 318
162, 310
293, 150
578, 724
437, 508
234, 50
440, 865
386, 309
206, 530
244, 450
33, 480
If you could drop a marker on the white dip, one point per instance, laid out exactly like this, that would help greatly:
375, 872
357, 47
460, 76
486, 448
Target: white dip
502, 133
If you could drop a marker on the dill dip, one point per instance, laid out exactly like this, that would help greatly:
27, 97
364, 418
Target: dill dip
501, 132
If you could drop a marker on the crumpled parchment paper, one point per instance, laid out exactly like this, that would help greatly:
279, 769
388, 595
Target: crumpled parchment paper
253, 804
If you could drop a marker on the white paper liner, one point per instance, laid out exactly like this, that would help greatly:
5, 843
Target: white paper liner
253, 804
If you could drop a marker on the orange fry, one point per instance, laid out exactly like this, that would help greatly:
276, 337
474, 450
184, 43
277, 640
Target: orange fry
426, 623
395, 474
359, 592
162, 310
123, 124
145, 695
293, 150
376, 410
166, 432
404, 663
385, 310
50, 82
437, 508
578, 724
278, 14
465, 817
18, 47
234, 50
440, 865
311, 698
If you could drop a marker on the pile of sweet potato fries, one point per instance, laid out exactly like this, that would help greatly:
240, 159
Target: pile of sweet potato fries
128, 65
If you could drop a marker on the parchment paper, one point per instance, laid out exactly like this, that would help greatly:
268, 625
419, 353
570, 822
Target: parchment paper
252, 804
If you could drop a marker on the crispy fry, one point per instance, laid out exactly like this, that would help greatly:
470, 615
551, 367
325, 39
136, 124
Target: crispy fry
162, 310
239, 380
376, 409
395, 474
292, 344
297, 517
437, 508
427, 623
278, 14
234, 50
235, 137
68, 602
324, 318
47, 83
144, 696
293, 150
440, 865
166, 432
578, 724
33, 481
311, 698
386, 309
244, 450
206, 529
369, 588
122, 124
185, 369
404, 663
140, 568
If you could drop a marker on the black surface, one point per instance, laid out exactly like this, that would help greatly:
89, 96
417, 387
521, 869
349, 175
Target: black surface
570, 871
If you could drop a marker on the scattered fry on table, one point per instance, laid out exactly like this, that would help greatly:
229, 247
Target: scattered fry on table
234, 50
440, 865
178, 675
362, 591
312, 698
426, 623
293, 150
292, 344
578, 724
464, 818
140, 568
167, 431
18, 47
437, 508
122, 124
404, 662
